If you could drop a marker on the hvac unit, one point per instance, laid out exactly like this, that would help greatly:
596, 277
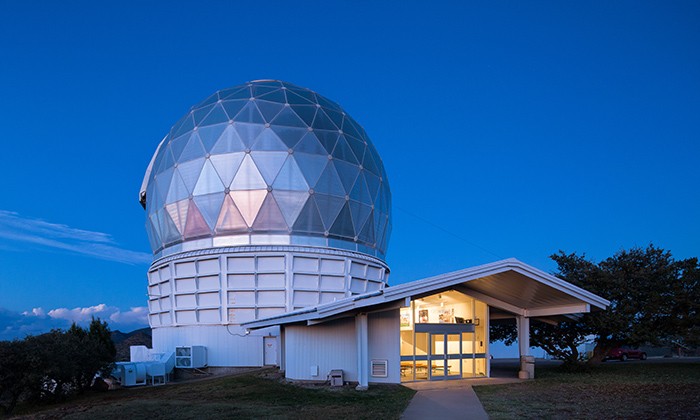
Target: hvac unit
190, 357
130, 374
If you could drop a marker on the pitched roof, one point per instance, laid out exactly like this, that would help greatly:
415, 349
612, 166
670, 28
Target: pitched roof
509, 285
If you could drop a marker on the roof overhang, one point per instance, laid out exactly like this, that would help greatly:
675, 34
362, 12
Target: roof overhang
510, 286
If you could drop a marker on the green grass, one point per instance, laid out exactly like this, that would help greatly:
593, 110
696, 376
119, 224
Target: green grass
245, 396
638, 390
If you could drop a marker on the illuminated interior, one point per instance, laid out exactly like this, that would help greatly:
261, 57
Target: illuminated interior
443, 336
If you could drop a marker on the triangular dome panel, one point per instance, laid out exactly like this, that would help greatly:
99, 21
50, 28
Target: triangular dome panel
290, 203
178, 190
307, 113
248, 132
195, 226
210, 206
328, 207
210, 135
193, 149
329, 182
178, 212
328, 139
268, 140
229, 141
289, 118
270, 217
311, 166
269, 164
168, 230
209, 181
189, 171
347, 174
227, 165
290, 136
250, 114
309, 144
215, 116
290, 177
343, 152
309, 219
367, 232
343, 226
269, 110
248, 203
360, 214
248, 177
230, 219
232, 108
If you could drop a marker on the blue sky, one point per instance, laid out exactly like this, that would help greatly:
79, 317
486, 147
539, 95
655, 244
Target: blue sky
507, 129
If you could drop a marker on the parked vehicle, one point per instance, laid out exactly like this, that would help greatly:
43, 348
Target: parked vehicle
622, 354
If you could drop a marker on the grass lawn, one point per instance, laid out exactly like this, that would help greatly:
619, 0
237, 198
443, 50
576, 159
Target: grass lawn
253, 395
631, 390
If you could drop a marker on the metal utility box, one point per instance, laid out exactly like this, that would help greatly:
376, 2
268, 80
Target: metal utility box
190, 357
336, 377
130, 374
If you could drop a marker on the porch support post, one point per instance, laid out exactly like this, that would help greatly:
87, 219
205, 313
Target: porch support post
362, 351
527, 362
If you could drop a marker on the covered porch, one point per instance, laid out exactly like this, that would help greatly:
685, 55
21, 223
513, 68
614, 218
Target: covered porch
431, 329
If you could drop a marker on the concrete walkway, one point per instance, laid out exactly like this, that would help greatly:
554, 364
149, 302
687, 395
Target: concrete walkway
446, 400
447, 403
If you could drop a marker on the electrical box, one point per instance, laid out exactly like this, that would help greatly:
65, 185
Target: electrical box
336, 377
188, 357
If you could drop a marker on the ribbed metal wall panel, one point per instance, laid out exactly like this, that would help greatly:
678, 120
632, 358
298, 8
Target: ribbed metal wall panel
328, 346
384, 344
223, 348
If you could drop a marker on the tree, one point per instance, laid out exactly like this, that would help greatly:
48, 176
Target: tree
641, 285
654, 299
52, 366
14, 365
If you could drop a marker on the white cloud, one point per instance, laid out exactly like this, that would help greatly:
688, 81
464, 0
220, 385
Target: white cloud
48, 235
38, 321
135, 315
82, 315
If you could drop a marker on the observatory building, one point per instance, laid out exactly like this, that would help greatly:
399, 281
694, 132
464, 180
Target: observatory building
269, 213
262, 199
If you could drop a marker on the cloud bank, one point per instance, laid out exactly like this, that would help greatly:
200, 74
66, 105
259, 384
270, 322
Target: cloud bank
38, 321
20, 230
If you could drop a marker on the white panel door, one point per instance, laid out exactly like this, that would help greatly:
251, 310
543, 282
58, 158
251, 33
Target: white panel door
270, 344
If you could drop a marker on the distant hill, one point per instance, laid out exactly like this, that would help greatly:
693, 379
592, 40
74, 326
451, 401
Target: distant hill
122, 341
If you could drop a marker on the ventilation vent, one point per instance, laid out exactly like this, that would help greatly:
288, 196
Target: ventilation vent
379, 368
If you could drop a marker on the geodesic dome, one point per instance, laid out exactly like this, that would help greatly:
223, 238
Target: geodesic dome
267, 163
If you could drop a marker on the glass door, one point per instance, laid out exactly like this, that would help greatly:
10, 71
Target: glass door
444, 357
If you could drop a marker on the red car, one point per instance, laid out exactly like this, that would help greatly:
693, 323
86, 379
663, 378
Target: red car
623, 354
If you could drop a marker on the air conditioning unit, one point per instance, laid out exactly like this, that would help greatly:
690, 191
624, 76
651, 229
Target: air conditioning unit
188, 357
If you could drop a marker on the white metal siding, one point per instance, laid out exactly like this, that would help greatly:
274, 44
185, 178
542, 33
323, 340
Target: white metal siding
384, 343
223, 348
328, 346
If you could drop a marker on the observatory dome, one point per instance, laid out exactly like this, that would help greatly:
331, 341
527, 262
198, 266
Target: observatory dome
267, 163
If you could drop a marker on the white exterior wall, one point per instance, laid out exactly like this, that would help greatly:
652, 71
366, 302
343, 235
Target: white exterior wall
329, 346
384, 344
223, 348
201, 298
333, 345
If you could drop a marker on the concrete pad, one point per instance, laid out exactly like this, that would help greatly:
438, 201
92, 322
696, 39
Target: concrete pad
447, 403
